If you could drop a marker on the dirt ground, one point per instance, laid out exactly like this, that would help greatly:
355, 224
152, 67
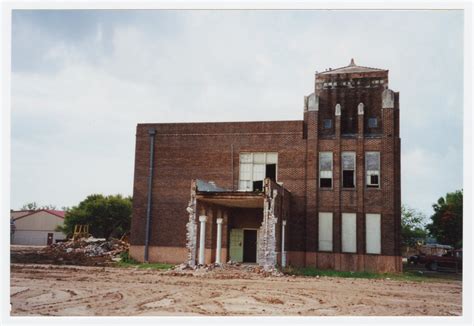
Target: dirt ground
111, 291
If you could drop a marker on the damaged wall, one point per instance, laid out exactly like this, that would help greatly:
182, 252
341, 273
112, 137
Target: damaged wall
276, 208
209, 151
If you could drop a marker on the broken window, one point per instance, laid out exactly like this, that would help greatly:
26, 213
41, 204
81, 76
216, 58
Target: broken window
254, 168
373, 123
327, 123
372, 168
270, 171
348, 169
325, 169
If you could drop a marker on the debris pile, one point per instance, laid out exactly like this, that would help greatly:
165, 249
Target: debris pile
90, 247
84, 252
227, 270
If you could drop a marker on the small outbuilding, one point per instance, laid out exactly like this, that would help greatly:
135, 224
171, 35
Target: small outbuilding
36, 227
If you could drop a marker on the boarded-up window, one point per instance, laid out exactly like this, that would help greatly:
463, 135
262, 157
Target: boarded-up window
372, 233
348, 169
254, 168
325, 231
325, 169
372, 168
349, 234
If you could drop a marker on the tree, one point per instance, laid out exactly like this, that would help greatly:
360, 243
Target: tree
30, 206
413, 226
446, 222
106, 216
33, 206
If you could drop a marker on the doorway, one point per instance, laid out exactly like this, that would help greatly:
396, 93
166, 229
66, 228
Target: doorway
243, 245
250, 246
50, 239
235, 246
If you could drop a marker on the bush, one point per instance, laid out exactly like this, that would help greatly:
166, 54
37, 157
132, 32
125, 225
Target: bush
125, 258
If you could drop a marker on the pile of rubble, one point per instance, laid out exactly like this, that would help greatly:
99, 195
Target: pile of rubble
91, 247
225, 271
84, 252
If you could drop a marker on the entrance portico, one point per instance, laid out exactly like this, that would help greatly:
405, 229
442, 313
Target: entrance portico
240, 226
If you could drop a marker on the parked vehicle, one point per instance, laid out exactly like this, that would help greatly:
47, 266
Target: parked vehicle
417, 259
428, 250
452, 259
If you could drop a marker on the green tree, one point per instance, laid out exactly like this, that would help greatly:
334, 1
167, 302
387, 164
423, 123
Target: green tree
30, 206
413, 226
34, 206
446, 222
106, 216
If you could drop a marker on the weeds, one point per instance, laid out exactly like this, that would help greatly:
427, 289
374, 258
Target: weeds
313, 272
127, 261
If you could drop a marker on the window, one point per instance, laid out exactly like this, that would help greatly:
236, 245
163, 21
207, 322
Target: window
327, 123
348, 169
349, 235
372, 168
372, 122
372, 233
325, 169
254, 168
348, 125
325, 231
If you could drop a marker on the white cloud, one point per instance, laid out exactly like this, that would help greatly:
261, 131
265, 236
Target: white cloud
81, 102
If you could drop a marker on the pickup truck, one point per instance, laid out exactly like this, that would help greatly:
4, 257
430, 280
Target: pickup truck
452, 259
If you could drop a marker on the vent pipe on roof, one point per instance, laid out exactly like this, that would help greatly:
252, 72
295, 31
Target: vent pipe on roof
151, 133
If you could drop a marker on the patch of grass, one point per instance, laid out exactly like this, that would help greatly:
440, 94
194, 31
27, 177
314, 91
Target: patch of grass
146, 265
313, 272
127, 261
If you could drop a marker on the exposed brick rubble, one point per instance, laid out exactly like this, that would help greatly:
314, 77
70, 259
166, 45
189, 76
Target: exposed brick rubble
266, 254
227, 270
87, 252
191, 228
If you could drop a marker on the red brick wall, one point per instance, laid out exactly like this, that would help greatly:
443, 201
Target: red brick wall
210, 151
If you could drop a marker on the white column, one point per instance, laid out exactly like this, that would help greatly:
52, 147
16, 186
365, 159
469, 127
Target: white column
283, 252
219, 240
202, 239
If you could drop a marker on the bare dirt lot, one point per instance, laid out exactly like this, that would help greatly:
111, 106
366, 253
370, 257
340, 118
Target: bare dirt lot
111, 291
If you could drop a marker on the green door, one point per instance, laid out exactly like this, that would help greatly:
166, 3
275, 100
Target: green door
236, 245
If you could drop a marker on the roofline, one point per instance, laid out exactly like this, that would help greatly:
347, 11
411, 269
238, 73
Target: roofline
217, 122
328, 72
36, 211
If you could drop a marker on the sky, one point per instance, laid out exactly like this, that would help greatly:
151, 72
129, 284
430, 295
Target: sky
83, 79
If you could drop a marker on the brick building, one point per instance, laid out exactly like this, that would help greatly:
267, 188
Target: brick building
323, 191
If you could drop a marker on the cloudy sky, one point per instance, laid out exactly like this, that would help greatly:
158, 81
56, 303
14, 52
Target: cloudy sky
82, 80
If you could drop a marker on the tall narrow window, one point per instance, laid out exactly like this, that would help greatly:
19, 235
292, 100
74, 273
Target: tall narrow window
254, 168
372, 168
372, 233
348, 169
325, 169
349, 235
325, 231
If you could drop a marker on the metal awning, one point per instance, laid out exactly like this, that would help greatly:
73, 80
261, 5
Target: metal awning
208, 192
